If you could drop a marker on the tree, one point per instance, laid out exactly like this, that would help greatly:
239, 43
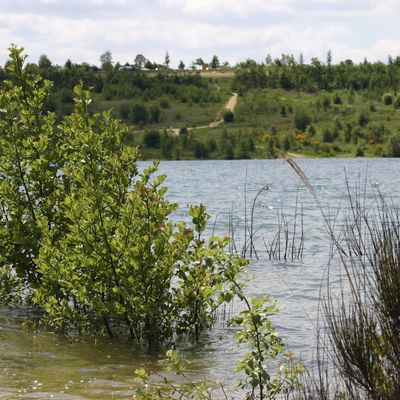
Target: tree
199, 61
44, 62
329, 58
228, 116
394, 145
139, 114
88, 239
301, 120
155, 113
68, 64
106, 60
181, 65
166, 59
29, 178
140, 61
152, 139
214, 63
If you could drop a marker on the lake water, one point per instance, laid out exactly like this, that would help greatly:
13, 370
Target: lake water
42, 365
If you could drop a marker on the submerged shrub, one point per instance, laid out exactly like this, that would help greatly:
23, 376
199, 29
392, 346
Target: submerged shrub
86, 237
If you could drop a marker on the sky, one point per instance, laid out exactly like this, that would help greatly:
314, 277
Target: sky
234, 30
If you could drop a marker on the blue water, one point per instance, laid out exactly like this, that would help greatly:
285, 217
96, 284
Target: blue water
36, 365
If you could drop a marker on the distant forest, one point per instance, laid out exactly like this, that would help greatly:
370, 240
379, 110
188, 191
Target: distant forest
289, 74
316, 109
113, 82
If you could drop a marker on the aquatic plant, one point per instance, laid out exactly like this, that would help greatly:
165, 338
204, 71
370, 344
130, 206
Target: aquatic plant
268, 372
88, 238
363, 317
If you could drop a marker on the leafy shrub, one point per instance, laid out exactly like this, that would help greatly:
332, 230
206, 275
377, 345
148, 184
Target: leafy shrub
87, 238
152, 139
139, 114
387, 99
228, 116
363, 118
183, 131
394, 145
337, 99
326, 103
327, 136
155, 114
164, 103
124, 111
360, 152
200, 150
302, 119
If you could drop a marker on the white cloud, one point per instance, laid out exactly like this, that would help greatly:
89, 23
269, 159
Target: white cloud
188, 29
239, 8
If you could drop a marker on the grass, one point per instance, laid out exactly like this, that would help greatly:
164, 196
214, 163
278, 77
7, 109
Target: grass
361, 125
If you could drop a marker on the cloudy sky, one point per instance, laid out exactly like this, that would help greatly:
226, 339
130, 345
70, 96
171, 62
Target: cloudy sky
232, 29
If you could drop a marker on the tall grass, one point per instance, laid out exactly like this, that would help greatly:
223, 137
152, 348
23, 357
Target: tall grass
363, 316
285, 242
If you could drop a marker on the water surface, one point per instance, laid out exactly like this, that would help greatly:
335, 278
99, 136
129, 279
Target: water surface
42, 365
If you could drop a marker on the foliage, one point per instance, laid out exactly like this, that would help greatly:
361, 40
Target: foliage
214, 63
363, 118
268, 372
394, 145
88, 238
106, 60
301, 120
228, 116
266, 346
169, 389
152, 139
288, 74
29, 186
387, 99
364, 323
363, 314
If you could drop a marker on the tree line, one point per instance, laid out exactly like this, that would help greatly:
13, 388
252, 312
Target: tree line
291, 74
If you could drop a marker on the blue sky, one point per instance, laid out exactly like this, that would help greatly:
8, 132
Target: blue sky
232, 29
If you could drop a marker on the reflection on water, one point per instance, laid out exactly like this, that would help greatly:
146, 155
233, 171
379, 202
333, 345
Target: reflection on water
42, 365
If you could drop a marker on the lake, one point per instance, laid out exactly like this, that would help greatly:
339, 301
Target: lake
42, 365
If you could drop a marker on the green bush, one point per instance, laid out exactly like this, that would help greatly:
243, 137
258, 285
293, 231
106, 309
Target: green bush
387, 99
363, 118
155, 114
327, 136
139, 114
164, 103
89, 239
301, 120
228, 116
337, 99
152, 139
394, 145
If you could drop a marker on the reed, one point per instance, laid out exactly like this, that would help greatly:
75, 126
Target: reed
363, 316
287, 243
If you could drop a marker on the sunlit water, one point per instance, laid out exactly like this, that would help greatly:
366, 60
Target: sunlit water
42, 365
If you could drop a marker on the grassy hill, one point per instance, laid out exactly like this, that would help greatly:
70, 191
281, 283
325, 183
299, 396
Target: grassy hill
316, 110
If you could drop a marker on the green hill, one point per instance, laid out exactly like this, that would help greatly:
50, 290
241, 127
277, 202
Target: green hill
313, 110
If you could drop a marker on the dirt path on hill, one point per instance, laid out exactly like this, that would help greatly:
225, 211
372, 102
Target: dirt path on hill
230, 106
